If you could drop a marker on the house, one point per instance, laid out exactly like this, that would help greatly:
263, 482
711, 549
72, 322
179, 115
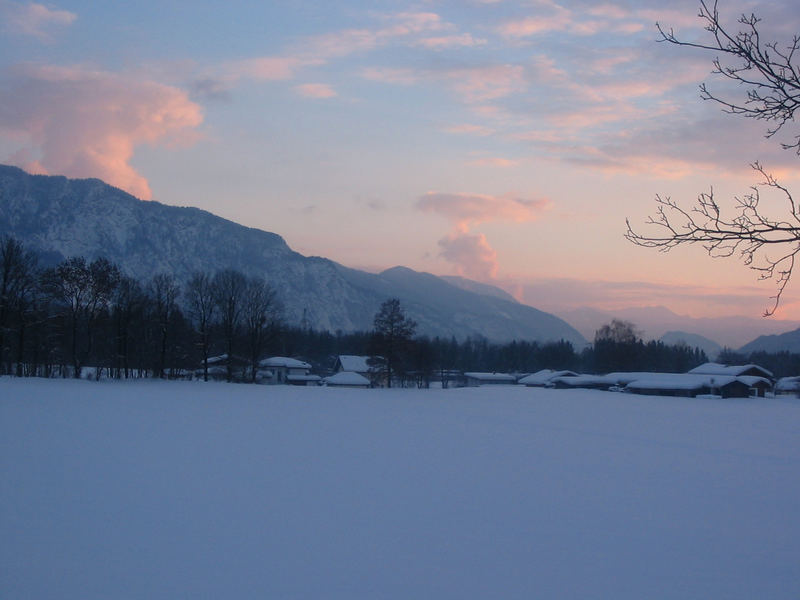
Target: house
544, 378
478, 379
218, 368
697, 384
788, 385
589, 382
347, 379
733, 370
353, 364
288, 370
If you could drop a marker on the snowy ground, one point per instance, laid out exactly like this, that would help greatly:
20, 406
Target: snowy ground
157, 490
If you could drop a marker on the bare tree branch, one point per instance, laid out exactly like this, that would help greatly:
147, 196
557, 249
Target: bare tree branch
770, 76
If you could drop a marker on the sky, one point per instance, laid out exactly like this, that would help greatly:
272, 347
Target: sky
504, 141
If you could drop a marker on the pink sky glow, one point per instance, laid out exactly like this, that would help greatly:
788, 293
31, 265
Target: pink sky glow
506, 141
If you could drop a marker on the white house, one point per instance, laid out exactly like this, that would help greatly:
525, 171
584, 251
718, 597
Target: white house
353, 364
288, 370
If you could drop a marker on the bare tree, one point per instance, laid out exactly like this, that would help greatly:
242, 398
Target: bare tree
229, 288
85, 290
769, 75
163, 291
260, 316
18, 272
200, 298
129, 303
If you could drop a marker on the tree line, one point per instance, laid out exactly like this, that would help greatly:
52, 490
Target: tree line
55, 321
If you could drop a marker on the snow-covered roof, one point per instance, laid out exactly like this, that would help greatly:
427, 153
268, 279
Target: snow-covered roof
491, 376
788, 384
347, 378
357, 364
691, 381
285, 362
679, 381
544, 377
711, 368
584, 380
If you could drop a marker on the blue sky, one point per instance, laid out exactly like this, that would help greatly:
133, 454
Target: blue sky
502, 140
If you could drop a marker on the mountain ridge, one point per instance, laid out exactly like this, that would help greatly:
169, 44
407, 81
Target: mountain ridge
69, 217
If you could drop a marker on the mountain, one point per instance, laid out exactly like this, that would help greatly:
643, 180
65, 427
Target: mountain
483, 289
789, 342
655, 321
63, 217
710, 347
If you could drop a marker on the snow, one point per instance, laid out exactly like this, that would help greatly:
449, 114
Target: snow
347, 378
165, 490
285, 362
734, 370
545, 376
491, 377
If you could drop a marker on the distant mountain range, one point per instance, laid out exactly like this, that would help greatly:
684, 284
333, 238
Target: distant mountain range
784, 342
62, 217
730, 332
710, 347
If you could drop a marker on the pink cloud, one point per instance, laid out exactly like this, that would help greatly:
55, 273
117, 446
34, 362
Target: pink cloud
265, 68
554, 17
470, 252
482, 83
316, 90
471, 255
472, 209
493, 162
451, 41
32, 18
474, 84
396, 76
86, 123
470, 129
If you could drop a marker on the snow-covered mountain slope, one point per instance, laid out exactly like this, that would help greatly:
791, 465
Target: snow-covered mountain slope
67, 217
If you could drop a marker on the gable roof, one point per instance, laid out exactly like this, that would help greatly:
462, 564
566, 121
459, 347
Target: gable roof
711, 368
357, 364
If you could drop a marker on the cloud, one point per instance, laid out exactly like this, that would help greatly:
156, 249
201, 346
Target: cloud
471, 254
32, 18
85, 123
470, 129
450, 41
264, 68
472, 209
493, 162
315, 90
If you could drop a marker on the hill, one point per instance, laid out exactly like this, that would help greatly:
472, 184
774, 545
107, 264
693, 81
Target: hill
63, 217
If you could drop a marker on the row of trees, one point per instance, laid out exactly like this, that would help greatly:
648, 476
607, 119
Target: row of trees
57, 320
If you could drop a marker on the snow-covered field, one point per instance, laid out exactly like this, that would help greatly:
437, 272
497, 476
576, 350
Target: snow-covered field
159, 490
